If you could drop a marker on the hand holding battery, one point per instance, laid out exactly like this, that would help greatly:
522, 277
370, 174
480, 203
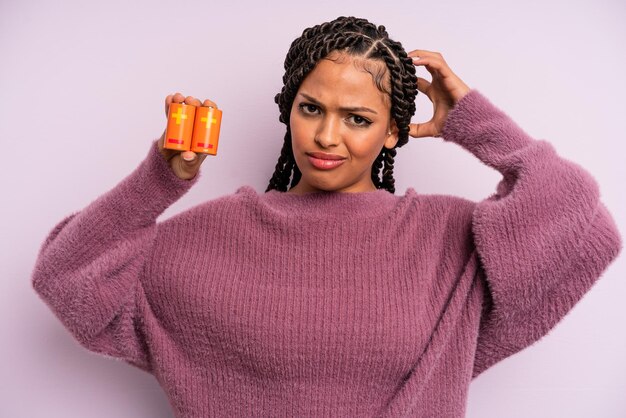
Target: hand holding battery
191, 134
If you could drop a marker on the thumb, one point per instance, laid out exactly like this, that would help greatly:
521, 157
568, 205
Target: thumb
186, 168
423, 130
189, 156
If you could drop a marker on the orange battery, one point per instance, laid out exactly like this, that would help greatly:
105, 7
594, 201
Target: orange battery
206, 130
180, 121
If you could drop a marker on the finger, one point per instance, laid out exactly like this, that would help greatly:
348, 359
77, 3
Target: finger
192, 166
423, 130
183, 169
189, 156
434, 66
200, 156
423, 85
430, 62
190, 100
173, 98
209, 103
168, 154
424, 53
168, 101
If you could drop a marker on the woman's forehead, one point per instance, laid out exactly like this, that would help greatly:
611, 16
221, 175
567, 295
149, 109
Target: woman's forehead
347, 78
359, 62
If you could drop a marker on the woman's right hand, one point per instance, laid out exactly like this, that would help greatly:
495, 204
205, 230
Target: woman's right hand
185, 164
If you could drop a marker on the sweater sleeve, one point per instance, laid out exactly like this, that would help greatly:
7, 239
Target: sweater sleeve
88, 268
543, 238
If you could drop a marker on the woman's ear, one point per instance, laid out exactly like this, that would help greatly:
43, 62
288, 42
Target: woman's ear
391, 138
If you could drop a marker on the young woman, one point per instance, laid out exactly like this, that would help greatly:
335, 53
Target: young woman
328, 295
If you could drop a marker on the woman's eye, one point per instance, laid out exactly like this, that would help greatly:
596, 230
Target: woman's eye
364, 122
358, 120
308, 106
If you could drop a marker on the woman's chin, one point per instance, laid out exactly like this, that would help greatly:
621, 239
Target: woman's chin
315, 185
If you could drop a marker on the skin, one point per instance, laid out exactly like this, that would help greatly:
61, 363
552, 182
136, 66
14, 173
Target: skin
323, 127
327, 129
444, 91
185, 164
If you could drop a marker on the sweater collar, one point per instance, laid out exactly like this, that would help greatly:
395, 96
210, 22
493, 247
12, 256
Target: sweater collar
322, 204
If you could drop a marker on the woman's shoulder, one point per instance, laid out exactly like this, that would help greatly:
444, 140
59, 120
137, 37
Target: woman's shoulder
440, 202
217, 207
446, 216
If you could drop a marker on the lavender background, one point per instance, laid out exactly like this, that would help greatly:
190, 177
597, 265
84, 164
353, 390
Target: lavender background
83, 85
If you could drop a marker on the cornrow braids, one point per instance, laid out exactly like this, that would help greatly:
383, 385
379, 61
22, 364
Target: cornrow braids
357, 37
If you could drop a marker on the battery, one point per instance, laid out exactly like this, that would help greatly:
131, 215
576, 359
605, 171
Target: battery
180, 123
206, 130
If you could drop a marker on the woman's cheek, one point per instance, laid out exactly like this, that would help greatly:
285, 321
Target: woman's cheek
364, 147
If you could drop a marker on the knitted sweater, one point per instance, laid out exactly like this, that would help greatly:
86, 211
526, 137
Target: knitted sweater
331, 304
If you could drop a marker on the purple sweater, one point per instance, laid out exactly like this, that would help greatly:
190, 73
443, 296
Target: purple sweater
331, 304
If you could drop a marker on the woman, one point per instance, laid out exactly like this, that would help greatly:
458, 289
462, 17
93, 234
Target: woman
328, 295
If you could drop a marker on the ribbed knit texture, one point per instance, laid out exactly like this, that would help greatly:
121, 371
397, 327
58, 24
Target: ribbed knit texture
331, 304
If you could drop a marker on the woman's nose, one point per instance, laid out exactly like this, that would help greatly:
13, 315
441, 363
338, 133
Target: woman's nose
328, 133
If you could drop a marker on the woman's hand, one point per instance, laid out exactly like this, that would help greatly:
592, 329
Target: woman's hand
445, 90
185, 164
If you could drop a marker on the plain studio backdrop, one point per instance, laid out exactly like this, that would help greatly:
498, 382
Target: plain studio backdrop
83, 87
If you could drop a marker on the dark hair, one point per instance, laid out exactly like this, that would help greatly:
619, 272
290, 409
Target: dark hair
358, 38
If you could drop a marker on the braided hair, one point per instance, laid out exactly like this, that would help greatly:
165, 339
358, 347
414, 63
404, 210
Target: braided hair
358, 38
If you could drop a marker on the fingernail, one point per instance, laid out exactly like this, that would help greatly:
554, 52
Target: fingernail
415, 58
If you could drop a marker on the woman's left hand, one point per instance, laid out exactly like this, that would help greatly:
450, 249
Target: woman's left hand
444, 91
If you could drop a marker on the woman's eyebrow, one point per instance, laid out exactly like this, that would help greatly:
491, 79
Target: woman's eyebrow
349, 109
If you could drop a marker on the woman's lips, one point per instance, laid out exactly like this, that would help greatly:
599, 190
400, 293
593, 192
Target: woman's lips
324, 164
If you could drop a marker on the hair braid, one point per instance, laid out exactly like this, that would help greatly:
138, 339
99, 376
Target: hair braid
359, 38
284, 166
376, 166
388, 180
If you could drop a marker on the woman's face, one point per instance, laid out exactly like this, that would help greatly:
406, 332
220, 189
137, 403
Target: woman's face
324, 120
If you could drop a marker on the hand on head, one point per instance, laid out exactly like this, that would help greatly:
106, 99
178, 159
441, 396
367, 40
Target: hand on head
444, 91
